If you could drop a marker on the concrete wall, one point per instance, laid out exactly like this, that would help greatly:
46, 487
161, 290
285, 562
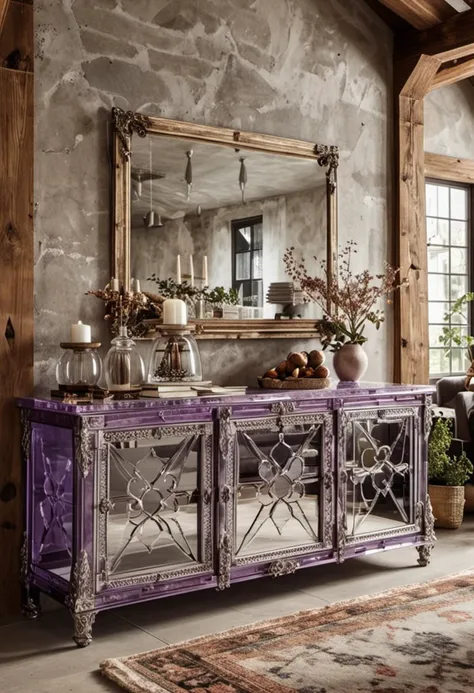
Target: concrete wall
449, 120
312, 69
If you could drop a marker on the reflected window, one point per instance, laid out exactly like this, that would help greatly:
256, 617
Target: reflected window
448, 217
247, 260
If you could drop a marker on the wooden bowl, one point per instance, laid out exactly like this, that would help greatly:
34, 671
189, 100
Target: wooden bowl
294, 384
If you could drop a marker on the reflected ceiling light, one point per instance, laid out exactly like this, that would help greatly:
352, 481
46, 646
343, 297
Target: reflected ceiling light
188, 176
242, 177
152, 219
199, 210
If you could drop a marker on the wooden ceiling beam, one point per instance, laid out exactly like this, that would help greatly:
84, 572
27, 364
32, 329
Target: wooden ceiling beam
464, 69
451, 40
3, 13
449, 168
421, 14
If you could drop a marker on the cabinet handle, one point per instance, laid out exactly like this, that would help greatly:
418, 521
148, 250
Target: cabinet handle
207, 496
106, 505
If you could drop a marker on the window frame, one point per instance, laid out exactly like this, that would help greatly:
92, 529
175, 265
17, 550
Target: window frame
469, 189
236, 225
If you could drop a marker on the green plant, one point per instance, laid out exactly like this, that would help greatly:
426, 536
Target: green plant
219, 296
168, 288
444, 470
451, 335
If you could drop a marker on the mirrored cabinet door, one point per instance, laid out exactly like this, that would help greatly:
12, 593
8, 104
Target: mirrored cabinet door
379, 458
157, 505
282, 504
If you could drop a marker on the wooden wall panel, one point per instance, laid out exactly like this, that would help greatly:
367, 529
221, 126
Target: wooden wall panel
16, 286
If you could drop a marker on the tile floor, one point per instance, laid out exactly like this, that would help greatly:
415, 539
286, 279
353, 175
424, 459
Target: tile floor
40, 656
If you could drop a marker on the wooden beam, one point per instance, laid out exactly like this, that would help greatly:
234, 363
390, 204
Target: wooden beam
16, 285
3, 13
421, 14
454, 73
411, 302
449, 168
450, 40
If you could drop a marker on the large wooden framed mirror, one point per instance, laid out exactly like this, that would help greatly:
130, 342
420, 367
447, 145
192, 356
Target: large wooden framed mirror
228, 203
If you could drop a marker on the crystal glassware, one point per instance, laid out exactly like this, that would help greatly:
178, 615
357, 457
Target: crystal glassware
79, 367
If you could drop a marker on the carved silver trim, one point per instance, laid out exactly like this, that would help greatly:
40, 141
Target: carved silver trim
84, 445
429, 537
428, 417
24, 560
382, 534
328, 481
151, 578
282, 567
158, 432
83, 623
105, 506
81, 591
303, 550
225, 562
25, 434
284, 407
126, 123
328, 156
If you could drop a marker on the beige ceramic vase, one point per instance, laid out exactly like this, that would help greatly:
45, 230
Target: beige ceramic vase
350, 362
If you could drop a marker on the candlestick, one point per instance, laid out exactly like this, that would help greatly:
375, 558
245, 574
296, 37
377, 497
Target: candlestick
174, 312
204, 271
80, 333
191, 271
114, 284
178, 269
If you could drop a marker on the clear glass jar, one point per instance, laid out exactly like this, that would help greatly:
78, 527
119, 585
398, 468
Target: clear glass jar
175, 358
79, 366
123, 365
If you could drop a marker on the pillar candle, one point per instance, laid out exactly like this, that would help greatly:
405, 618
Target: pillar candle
137, 286
114, 284
204, 271
81, 333
178, 269
174, 312
191, 269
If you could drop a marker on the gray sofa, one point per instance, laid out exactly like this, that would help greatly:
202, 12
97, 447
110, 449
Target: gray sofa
451, 394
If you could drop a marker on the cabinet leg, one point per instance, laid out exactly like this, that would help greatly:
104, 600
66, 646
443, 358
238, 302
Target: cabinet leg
425, 554
83, 623
31, 605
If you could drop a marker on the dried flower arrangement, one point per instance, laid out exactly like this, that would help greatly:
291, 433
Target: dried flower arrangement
129, 309
348, 299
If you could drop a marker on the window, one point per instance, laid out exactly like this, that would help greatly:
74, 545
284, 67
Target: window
448, 233
247, 253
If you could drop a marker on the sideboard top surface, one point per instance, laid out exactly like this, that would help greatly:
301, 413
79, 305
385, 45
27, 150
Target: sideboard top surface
342, 391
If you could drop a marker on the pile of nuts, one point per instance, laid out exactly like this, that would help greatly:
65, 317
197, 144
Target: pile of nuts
300, 365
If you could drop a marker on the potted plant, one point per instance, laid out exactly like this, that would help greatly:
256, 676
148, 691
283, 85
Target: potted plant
219, 297
349, 302
447, 476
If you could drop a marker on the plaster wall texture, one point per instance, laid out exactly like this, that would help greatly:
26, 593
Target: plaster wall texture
318, 70
449, 120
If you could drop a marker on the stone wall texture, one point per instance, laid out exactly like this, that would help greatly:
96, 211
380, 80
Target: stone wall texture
449, 120
312, 69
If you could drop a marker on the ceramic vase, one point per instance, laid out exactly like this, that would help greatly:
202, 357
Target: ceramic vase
350, 363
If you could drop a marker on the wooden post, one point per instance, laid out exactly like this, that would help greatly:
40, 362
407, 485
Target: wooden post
16, 285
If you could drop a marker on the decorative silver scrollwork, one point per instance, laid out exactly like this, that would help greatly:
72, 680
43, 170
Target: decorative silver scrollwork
84, 445
429, 535
328, 156
225, 562
282, 567
24, 559
126, 123
83, 623
25, 434
226, 494
81, 592
428, 418
282, 408
105, 506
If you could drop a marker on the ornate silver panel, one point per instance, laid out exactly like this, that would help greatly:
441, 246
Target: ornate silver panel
84, 442
280, 472
379, 457
154, 519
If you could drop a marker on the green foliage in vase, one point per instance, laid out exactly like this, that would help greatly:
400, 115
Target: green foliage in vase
451, 335
219, 296
444, 470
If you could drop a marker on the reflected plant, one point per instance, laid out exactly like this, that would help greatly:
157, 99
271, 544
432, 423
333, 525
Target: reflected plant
169, 288
220, 297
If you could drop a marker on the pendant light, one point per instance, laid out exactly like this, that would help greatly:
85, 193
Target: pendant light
242, 177
188, 176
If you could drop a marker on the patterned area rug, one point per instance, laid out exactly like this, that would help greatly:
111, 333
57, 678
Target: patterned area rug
418, 639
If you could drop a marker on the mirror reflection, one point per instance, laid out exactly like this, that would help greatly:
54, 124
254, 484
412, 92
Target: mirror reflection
218, 216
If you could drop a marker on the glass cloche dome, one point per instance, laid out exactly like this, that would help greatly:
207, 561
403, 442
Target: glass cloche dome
123, 365
174, 357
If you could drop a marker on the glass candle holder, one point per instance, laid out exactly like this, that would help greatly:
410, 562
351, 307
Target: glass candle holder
80, 366
123, 365
174, 357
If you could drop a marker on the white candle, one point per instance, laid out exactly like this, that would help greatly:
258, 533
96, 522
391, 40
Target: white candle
191, 269
178, 269
174, 312
137, 286
204, 271
80, 333
114, 284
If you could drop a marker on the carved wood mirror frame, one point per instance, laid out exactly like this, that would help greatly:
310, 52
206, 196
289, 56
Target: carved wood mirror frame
127, 123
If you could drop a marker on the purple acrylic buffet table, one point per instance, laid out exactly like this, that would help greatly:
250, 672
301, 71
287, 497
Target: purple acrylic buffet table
132, 501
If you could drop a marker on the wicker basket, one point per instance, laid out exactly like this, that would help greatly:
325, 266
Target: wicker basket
448, 505
295, 383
